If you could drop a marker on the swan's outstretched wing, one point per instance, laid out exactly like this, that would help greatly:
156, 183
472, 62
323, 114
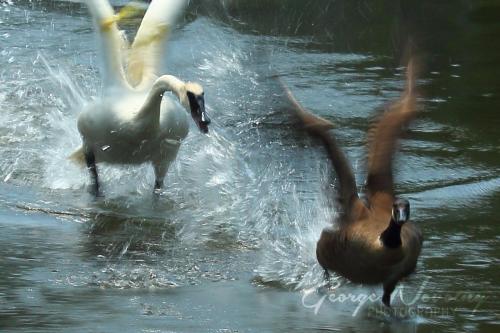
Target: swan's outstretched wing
145, 55
318, 127
382, 144
112, 42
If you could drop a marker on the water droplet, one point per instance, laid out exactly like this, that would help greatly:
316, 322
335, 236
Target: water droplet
104, 148
438, 100
375, 68
6, 179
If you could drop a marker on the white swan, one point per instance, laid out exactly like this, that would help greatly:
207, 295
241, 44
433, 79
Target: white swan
135, 122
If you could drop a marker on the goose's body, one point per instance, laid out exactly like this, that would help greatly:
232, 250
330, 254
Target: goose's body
356, 252
135, 121
373, 241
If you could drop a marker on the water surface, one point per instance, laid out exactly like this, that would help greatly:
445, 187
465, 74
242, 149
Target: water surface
230, 245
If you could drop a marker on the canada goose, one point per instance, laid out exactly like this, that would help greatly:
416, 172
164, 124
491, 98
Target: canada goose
135, 121
374, 242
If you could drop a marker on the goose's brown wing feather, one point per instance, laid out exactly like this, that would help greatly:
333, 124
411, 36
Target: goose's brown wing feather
382, 144
318, 127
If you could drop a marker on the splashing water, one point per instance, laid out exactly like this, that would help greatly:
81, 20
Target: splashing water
216, 196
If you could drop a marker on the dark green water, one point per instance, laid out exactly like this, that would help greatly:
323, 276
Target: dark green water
230, 246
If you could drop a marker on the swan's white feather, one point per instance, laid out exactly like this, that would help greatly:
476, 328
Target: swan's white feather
134, 124
111, 43
149, 42
112, 129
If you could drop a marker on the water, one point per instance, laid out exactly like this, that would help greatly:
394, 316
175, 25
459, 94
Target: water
230, 244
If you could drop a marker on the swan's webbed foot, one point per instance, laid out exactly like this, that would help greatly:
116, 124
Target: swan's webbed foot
91, 166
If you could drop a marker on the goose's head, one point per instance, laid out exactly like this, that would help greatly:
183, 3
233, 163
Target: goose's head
400, 211
195, 102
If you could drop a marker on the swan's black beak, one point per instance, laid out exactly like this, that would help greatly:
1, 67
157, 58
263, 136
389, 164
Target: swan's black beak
198, 113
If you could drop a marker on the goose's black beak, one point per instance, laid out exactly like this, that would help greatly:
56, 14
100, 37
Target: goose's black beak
198, 113
401, 211
402, 215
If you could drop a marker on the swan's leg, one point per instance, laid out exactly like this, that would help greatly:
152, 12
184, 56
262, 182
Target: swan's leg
112, 41
91, 166
148, 45
168, 153
161, 169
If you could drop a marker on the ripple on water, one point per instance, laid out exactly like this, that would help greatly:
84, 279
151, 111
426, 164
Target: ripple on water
244, 202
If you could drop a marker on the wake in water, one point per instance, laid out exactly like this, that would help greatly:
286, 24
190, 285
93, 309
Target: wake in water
230, 193
233, 201
239, 192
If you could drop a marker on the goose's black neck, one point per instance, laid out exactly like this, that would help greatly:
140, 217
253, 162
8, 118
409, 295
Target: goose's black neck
391, 237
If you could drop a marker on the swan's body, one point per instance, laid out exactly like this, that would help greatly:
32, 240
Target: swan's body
135, 121
373, 242
116, 131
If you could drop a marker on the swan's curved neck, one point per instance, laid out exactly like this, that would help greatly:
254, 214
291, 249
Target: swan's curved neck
167, 83
161, 85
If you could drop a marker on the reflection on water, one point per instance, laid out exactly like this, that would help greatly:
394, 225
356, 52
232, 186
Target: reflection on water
235, 231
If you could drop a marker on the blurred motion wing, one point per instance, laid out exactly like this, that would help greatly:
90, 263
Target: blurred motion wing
382, 140
319, 127
147, 48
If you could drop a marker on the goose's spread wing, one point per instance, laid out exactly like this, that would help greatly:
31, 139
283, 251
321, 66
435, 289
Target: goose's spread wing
112, 42
146, 51
382, 144
319, 127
